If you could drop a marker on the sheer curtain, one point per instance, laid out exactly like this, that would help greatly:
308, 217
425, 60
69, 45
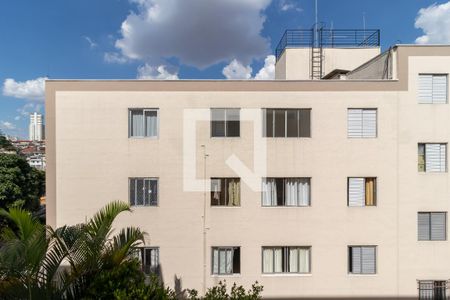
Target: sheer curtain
222, 262
297, 192
293, 260
268, 260
137, 120
151, 123
215, 261
215, 189
304, 260
229, 262
278, 260
269, 192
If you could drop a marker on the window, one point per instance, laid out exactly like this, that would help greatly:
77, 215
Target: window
432, 158
432, 226
149, 258
432, 88
286, 259
225, 192
362, 123
143, 191
432, 289
143, 123
362, 191
362, 259
226, 260
286, 122
286, 192
225, 122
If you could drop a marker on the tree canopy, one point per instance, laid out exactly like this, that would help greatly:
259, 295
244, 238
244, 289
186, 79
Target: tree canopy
20, 184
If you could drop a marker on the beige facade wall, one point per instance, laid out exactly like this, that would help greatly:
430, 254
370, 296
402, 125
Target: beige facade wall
91, 158
295, 63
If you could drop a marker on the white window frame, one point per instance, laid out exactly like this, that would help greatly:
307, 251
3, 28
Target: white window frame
362, 123
130, 124
425, 157
142, 259
284, 191
349, 250
286, 249
432, 78
264, 127
430, 225
135, 190
224, 248
365, 180
225, 120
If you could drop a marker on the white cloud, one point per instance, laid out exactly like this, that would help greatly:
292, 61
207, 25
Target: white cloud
435, 23
286, 5
150, 72
236, 70
92, 44
27, 109
197, 33
7, 125
267, 72
115, 58
31, 89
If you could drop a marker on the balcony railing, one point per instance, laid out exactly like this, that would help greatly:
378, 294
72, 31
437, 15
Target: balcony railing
328, 38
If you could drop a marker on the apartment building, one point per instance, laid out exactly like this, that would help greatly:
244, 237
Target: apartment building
36, 129
351, 193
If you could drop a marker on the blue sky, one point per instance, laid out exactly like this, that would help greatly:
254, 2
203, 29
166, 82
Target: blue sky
86, 39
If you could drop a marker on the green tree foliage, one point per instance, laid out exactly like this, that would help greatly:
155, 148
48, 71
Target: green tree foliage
5, 144
220, 292
20, 184
32, 255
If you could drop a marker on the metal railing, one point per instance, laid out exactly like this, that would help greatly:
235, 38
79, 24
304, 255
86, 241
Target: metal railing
328, 38
342, 38
432, 290
295, 38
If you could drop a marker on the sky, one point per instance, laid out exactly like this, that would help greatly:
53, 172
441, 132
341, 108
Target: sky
176, 39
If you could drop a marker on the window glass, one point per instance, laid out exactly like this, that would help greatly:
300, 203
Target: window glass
233, 122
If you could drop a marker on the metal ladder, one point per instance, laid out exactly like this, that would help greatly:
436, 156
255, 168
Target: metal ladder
317, 53
316, 62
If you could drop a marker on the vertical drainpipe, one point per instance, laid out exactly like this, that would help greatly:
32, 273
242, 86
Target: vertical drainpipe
205, 155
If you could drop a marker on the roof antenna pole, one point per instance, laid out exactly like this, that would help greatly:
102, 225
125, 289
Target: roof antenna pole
316, 24
364, 24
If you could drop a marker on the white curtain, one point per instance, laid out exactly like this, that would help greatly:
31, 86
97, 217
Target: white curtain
215, 188
222, 262
229, 262
154, 257
304, 260
137, 121
293, 260
297, 191
215, 261
269, 192
278, 260
151, 123
268, 260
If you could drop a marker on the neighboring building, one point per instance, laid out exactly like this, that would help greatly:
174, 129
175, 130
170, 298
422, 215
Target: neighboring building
37, 160
355, 198
36, 127
33, 151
